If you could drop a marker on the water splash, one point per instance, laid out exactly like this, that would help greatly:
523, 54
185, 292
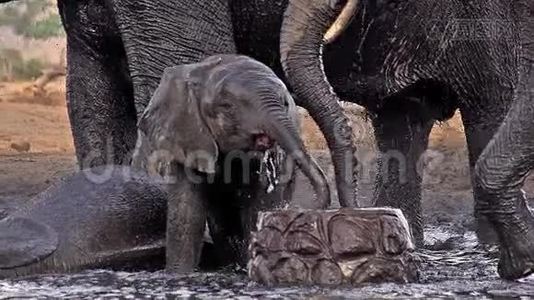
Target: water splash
270, 167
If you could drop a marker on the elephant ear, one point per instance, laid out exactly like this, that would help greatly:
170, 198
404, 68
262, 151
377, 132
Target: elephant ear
24, 241
172, 122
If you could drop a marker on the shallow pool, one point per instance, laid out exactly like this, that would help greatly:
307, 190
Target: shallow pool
460, 269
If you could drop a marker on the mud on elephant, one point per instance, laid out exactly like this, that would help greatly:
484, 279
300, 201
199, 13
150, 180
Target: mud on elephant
222, 131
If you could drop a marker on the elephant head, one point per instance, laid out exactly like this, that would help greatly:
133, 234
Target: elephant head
222, 104
303, 33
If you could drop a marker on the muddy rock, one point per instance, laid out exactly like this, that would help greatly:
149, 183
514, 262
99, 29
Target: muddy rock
333, 247
21, 146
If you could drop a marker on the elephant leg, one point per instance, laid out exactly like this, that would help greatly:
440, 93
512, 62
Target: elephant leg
231, 225
504, 164
224, 223
499, 176
233, 212
402, 137
99, 94
224, 219
264, 202
479, 130
186, 222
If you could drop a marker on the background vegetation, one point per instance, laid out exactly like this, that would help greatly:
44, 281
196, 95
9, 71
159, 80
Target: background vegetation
32, 18
29, 19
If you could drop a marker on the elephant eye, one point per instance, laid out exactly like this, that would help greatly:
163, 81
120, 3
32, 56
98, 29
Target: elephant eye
285, 101
224, 101
226, 105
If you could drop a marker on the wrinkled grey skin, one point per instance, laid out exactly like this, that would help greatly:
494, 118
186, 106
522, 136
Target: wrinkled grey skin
86, 221
505, 163
411, 66
213, 121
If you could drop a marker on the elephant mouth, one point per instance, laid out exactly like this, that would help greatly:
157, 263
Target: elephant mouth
262, 142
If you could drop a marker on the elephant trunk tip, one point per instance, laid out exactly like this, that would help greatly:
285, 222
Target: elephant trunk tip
285, 133
302, 36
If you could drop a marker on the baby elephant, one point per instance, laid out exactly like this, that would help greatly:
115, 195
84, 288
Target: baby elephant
224, 129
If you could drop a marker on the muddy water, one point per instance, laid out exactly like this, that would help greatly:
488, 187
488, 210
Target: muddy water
453, 266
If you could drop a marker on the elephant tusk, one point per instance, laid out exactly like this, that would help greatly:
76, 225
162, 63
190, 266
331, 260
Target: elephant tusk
341, 22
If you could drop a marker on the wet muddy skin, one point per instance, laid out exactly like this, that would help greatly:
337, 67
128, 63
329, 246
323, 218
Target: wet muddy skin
466, 271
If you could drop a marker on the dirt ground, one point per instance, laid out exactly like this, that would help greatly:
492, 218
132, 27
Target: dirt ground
35, 141
36, 149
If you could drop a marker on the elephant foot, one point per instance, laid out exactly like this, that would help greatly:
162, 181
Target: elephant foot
485, 232
333, 247
517, 245
417, 233
517, 256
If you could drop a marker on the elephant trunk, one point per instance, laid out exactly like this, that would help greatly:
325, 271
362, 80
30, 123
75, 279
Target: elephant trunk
283, 129
303, 29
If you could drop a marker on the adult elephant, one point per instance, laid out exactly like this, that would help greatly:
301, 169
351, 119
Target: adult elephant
505, 163
415, 62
